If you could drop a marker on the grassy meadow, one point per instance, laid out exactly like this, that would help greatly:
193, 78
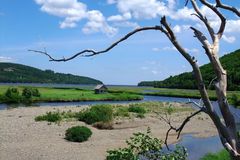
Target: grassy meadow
115, 93
73, 94
187, 93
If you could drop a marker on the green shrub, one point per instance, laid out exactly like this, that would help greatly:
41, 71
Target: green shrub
97, 113
222, 155
50, 117
12, 95
137, 109
29, 92
88, 117
78, 134
144, 145
121, 154
235, 100
121, 112
35, 92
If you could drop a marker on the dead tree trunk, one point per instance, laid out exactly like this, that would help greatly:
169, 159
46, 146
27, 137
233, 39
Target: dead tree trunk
226, 128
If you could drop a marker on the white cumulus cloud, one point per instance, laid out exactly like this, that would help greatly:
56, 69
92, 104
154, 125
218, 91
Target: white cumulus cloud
74, 11
147, 9
98, 23
230, 39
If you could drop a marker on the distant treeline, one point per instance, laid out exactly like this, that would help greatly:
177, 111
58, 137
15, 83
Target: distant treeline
18, 73
230, 62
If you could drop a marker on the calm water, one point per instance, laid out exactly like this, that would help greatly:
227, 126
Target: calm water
198, 147
145, 99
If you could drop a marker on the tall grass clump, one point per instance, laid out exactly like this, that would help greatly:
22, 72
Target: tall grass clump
137, 109
222, 155
96, 114
121, 111
50, 117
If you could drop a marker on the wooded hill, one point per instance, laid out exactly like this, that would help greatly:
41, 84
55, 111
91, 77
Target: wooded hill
18, 73
231, 62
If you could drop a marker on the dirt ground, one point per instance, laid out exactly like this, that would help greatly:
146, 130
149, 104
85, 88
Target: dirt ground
21, 138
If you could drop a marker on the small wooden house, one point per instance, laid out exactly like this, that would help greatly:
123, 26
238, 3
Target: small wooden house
101, 88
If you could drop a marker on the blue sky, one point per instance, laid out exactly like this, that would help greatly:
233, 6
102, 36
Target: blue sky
65, 27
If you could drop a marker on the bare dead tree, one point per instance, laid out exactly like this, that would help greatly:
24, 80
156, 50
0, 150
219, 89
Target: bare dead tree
227, 129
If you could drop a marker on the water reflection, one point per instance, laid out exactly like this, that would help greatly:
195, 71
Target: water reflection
198, 147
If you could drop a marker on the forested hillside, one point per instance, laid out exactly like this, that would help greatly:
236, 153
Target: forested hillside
231, 62
18, 73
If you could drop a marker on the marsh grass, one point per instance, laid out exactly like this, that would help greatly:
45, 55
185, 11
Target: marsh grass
222, 155
72, 94
50, 117
185, 93
103, 116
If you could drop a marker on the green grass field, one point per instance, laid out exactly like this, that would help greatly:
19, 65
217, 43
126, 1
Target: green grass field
75, 94
188, 93
116, 93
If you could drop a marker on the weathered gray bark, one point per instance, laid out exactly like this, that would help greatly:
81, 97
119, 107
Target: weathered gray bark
227, 128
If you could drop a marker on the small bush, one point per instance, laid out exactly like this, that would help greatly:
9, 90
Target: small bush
137, 109
78, 134
144, 146
12, 95
30, 92
35, 92
121, 154
97, 113
27, 93
50, 117
88, 117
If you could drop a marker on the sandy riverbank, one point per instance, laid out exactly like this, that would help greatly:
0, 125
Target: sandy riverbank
21, 138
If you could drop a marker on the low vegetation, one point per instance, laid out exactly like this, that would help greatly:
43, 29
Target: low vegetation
103, 116
78, 134
137, 109
97, 113
168, 92
50, 117
14, 95
222, 155
144, 146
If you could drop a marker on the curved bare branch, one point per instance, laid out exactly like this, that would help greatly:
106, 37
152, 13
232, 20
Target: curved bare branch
227, 7
219, 14
181, 127
93, 52
203, 19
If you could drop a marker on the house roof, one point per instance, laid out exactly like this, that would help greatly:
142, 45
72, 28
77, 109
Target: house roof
100, 86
